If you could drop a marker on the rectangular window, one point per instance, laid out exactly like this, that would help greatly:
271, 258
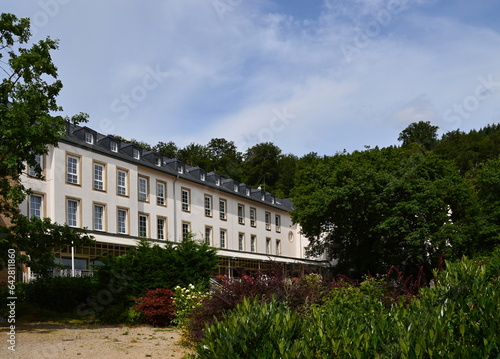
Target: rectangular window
160, 227
72, 212
98, 217
208, 206
121, 182
278, 247
253, 243
277, 221
222, 209
160, 193
143, 225
33, 170
241, 241
99, 177
72, 169
35, 206
268, 245
208, 235
241, 214
89, 138
223, 238
143, 189
113, 146
186, 230
253, 217
136, 154
186, 200
122, 227
268, 221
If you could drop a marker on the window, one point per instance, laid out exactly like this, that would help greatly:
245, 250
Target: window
217, 181
278, 247
202, 176
223, 238
98, 217
180, 169
253, 217
186, 194
268, 245
160, 193
113, 146
33, 170
72, 212
158, 161
143, 189
35, 206
277, 220
72, 169
160, 228
235, 187
222, 209
208, 235
241, 214
122, 227
290, 236
143, 225
268, 221
89, 138
253, 243
99, 177
208, 206
186, 230
136, 154
241, 241
121, 182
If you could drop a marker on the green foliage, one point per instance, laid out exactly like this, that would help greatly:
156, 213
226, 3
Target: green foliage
61, 294
457, 318
39, 239
186, 300
156, 306
151, 267
28, 92
421, 133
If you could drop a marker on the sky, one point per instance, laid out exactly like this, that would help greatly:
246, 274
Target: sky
307, 75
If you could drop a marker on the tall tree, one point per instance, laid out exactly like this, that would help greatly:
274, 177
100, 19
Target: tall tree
27, 101
422, 133
28, 91
225, 158
261, 165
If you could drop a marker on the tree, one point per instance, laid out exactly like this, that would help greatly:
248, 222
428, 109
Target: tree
422, 133
225, 158
27, 101
261, 165
373, 209
194, 155
168, 150
28, 92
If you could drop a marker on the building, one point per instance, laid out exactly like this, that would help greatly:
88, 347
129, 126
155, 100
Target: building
121, 193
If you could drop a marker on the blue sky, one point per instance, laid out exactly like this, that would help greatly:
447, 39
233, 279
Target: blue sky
307, 75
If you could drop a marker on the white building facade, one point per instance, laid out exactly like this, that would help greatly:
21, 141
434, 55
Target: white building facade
121, 193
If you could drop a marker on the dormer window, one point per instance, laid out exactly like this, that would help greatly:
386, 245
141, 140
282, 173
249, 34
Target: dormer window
136, 154
263, 197
180, 169
113, 146
202, 176
217, 181
272, 200
89, 138
235, 188
248, 191
158, 161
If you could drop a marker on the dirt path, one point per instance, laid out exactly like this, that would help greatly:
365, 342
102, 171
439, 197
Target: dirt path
42, 340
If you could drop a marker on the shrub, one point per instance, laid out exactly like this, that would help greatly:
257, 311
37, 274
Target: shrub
156, 306
62, 294
253, 330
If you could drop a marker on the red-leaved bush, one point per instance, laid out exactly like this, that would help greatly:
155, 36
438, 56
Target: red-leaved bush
157, 306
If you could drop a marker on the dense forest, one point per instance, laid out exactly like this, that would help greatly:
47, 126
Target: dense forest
410, 205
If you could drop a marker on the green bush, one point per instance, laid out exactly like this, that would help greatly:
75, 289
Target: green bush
61, 294
457, 318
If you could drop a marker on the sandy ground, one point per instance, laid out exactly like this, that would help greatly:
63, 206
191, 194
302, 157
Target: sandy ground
54, 341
